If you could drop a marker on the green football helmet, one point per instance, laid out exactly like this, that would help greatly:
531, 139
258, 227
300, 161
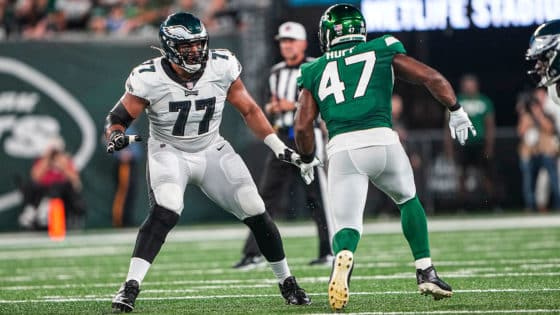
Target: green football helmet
544, 47
184, 29
341, 23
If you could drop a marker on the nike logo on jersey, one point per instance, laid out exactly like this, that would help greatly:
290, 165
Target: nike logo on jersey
221, 147
189, 92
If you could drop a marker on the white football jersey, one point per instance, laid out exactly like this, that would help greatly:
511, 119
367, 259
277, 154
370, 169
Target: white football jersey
186, 117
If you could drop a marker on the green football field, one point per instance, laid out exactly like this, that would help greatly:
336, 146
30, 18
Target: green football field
502, 270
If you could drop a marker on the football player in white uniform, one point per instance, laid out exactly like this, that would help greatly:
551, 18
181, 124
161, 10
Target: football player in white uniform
183, 94
544, 48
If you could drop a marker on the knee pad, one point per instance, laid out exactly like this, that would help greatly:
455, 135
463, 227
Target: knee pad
153, 232
160, 221
169, 196
249, 201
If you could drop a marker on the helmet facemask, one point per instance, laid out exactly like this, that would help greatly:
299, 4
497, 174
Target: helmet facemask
190, 55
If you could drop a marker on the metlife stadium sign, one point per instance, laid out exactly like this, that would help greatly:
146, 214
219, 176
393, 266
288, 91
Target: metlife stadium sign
426, 15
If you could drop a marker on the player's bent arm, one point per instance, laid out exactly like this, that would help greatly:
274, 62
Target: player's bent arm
305, 116
128, 108
413, 71
254, 117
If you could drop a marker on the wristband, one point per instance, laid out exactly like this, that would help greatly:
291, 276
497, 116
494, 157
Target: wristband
307, 158
455, 107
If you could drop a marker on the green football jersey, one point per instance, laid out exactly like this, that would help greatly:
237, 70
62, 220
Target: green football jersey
353, 84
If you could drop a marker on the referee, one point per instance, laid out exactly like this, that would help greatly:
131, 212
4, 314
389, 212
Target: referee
279, 178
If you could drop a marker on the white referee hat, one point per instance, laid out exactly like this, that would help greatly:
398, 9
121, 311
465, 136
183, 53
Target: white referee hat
292, 30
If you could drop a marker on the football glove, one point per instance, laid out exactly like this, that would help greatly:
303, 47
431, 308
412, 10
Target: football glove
118, 141
307, 170
459, 125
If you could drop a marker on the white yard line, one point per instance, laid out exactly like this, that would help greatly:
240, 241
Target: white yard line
61, 274
239, 232
89, 298
272, 281
295, 263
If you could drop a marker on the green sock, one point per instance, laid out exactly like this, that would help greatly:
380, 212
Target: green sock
346, 239
415, 227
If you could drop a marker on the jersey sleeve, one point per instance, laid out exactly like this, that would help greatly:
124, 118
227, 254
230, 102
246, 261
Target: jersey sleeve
393, 44
235, 68
303, 80
228, 62
138, 84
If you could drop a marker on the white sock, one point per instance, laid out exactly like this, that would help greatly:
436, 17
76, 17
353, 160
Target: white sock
138, 269
280, 269
423, 263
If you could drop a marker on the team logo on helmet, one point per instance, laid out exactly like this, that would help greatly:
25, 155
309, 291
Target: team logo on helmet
180, 32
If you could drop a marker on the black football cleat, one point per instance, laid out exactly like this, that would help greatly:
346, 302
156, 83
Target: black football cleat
339, 283
293, 293
126, 296
430, 284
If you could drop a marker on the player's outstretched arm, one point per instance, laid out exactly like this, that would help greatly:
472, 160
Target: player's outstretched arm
240, 98
128, 108
254, 117
413, 71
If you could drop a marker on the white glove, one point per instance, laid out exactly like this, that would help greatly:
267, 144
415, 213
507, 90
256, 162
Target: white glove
307, 170
284, 153
459, 125
281, 150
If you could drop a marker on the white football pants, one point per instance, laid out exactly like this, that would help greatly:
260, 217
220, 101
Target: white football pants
219, 172
386, 166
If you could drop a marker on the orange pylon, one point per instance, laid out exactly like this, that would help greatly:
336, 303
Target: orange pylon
57, 220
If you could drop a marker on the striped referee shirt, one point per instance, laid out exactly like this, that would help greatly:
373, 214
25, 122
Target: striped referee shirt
283, 85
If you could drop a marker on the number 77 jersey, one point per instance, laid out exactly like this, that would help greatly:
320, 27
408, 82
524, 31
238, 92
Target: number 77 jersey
186, 115
352, 84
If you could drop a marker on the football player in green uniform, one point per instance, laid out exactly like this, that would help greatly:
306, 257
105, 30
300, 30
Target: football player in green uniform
351, 87
544, 48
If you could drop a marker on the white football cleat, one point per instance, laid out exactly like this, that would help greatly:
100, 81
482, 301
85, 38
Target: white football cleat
340, 278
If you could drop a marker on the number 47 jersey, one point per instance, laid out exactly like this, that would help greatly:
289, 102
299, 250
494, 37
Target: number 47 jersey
185, 115
353, 83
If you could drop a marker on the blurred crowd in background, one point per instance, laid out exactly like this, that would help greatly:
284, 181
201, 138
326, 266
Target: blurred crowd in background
39, 19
